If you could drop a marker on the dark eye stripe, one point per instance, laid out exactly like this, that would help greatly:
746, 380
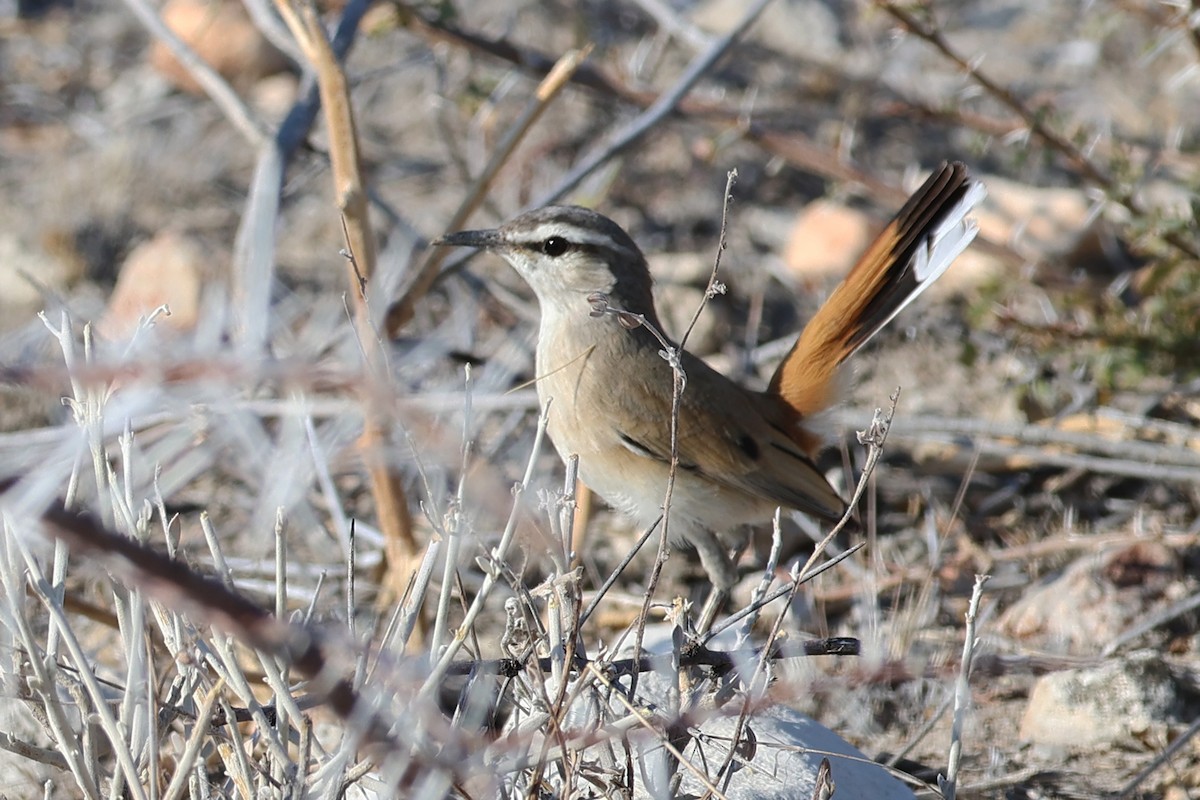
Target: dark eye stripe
576, 241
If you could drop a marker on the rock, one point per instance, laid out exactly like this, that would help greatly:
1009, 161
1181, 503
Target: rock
826, 240
1035, 222
1129, 702
222, 34
274, 96
781, 760
1095, 599
778, 755
165, 270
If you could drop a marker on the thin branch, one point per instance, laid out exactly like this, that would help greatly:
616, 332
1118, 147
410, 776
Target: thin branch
646, 721
274, 30
1158, 619
661, 108
402, 310
673, 22
176, 584
1178, 743
497, 557
350, 192
1092, 171
619, 570
254, 245
962, 694
41, 755
714, 287
217, 89
793, 147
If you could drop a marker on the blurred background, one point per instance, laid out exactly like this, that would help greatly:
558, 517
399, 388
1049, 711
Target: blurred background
1046, 430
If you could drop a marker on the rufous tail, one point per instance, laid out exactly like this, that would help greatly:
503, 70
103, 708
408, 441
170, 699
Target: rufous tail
912, 252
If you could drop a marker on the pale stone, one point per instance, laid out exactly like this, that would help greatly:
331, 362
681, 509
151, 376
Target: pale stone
222, 34
827, 239
165, 270
1033, 221
1128, 701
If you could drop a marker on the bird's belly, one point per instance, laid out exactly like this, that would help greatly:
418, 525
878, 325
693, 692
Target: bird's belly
579, 409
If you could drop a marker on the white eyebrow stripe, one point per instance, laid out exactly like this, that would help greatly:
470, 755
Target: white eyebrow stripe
576, 234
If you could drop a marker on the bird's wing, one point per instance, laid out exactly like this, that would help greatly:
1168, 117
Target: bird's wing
731, 435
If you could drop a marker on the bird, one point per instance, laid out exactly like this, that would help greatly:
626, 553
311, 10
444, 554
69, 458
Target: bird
742, 453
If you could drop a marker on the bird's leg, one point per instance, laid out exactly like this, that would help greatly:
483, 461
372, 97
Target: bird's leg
712, 606
721, 571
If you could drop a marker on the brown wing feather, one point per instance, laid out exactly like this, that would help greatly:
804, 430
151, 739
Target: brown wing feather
754, 451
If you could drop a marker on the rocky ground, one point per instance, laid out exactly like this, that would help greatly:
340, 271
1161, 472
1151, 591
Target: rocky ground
1046, 432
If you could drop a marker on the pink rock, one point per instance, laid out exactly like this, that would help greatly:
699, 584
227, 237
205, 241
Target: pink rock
166, 271
222, 34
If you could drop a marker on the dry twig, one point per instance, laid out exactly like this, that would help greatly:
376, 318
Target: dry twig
391, 504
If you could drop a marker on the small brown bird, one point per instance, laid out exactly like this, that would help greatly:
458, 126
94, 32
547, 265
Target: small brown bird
742, 453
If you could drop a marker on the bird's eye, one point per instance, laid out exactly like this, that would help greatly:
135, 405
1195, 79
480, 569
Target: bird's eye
555, 246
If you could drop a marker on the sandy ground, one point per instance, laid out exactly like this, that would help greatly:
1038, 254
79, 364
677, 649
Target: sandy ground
1069, 315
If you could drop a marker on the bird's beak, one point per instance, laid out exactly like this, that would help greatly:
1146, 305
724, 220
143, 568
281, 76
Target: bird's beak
484, 239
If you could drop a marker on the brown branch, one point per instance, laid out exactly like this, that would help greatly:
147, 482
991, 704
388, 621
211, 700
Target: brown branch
391, 504
526, 58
